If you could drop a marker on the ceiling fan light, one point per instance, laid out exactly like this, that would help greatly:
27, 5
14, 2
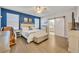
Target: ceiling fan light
39, 9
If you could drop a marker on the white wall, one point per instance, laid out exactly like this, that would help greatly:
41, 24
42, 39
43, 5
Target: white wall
77, 14
68, 18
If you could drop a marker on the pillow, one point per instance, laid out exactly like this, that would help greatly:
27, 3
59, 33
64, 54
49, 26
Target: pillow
30, 28
25, 29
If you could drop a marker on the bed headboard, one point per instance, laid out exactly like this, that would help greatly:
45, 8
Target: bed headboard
29, 26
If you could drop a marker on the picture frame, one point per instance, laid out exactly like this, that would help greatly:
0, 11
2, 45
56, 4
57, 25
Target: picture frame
26, 20
30, 20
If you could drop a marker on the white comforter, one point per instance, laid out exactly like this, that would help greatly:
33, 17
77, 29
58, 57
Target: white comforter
29, 35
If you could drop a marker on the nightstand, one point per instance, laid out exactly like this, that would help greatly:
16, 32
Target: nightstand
17, 33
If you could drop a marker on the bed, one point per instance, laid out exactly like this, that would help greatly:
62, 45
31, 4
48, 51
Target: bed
40, 36
35, 35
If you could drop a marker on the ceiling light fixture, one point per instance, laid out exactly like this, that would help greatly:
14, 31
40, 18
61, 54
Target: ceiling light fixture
39, 9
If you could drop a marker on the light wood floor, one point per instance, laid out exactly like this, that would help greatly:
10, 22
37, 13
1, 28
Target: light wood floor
52, 45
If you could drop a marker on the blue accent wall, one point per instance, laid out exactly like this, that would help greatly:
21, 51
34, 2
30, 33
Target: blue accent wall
21, 17
0, 18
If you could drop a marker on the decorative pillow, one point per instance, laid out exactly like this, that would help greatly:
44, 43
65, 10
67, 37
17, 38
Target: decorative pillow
25, 29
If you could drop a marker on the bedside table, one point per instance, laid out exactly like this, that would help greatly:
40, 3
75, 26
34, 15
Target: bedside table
17, 33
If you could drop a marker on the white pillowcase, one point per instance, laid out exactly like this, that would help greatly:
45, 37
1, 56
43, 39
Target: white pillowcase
25, 29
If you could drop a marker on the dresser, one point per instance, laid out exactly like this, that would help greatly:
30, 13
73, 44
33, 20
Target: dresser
73, 39
4, 41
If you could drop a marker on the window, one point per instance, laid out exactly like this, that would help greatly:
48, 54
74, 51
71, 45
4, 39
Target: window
36, 23
13, 20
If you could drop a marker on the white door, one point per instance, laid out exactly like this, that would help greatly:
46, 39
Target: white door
60, 27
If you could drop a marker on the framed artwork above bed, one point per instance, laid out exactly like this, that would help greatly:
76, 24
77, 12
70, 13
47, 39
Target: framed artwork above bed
30, 20
26, 20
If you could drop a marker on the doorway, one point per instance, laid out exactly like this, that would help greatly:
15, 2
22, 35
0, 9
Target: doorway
57, 26
51, 26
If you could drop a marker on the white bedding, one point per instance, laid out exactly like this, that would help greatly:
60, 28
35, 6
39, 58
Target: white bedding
29, 35
40, 34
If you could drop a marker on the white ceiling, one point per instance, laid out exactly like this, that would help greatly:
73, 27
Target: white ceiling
30, 9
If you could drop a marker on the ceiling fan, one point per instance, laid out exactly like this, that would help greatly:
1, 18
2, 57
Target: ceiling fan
39, 9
